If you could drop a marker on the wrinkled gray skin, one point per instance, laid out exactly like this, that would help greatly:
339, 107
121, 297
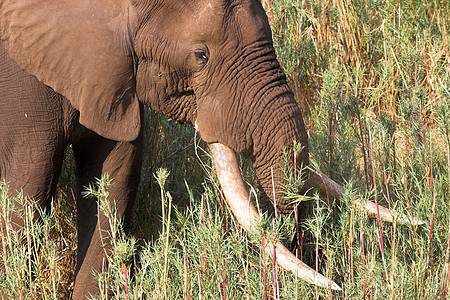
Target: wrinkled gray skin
78, 72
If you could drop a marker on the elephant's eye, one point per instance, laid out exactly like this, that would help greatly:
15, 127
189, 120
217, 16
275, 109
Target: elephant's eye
201, 55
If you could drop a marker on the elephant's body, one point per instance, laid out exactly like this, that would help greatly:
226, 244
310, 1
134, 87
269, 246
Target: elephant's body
79, 72
36, 126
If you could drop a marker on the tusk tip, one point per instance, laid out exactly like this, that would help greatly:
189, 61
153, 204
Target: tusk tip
324, 282
319, 280
404, 220
416, 222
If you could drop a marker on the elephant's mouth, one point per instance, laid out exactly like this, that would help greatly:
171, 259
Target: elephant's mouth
237, 197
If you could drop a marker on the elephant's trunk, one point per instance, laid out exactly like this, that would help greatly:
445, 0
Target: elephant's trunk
283, 126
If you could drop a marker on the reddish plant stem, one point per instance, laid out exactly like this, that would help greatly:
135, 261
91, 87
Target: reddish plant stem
393, 147
136, 282
386, 185
421, 125
420, 108
330, 294
263, 246
200, 283
445, 282
330, 137
271, 11
226, 220
411, 215
206, 261
19, 271
317, 262
20, 281
224, 209
432, 183
314, 27
363, 258
223, 280
429, 77
430, 179
432, 20
296, 210
274, 194
125, 276
326, 25
424, 148
295, 165
317, 253
275, 274
358, 114
410, 85
186, 281
431, 229
405, 184
406, 163
352, 268
376, 202
202, 211
411, 120
297, 236
75, 198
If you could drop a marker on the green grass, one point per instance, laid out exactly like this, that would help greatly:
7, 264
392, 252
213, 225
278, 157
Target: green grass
372, 78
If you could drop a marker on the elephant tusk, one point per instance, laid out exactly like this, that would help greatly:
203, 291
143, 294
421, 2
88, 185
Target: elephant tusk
237, 197
329, 188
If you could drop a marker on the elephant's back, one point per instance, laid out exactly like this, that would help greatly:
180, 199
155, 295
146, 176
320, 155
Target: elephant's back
20, 91
30, 111
12, 78
6, 64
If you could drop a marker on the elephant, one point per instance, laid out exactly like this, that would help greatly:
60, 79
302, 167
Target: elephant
80, 73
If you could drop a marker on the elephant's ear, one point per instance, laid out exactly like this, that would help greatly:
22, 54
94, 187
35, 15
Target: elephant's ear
83, 50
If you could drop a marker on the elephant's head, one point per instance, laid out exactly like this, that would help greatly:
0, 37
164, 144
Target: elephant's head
211, 63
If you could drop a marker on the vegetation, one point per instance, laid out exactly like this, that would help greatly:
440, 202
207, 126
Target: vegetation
372, 78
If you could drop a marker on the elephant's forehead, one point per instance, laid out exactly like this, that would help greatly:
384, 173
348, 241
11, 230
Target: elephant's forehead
244, 20
205, 10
